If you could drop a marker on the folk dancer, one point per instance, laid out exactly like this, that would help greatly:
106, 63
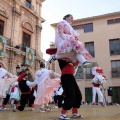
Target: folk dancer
6, 79
47, 81
98, 79
68, 45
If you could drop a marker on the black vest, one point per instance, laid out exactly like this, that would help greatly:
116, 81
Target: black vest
23, 86
62, 63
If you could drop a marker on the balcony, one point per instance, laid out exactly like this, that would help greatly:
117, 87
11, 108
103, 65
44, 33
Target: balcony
23, 48
88, 76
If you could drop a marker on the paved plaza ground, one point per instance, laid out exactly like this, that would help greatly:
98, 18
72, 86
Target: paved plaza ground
90, 113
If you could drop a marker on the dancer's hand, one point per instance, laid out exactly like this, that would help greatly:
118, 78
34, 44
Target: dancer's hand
52, 76
63, 36
67, 60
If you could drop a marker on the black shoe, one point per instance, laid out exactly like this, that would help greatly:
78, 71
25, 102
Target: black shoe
86, 64
52, 58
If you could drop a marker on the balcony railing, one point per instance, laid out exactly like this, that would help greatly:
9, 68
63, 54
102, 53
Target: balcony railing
23, 48
88, 76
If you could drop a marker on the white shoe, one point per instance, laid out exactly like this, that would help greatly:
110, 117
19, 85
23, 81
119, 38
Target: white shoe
2, 109
64, 117
55, 107
48, 109
33, 109
14, 108
77, 116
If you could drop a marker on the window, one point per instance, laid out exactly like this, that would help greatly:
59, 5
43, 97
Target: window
112, 21
88, 73
88, 27
115, 70
26, 41
74, 27
114, 46
28, 4
1, 27
90, 48
117, 20
79, 73
77, 27
80, 26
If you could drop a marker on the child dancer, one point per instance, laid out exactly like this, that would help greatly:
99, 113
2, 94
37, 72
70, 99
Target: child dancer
14, 96
68, 44
58, 95
98, 79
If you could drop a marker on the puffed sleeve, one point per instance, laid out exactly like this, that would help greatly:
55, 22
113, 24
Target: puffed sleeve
60, 25
38, 74
9, 75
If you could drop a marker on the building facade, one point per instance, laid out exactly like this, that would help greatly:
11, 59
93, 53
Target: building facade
101, 37
20, 34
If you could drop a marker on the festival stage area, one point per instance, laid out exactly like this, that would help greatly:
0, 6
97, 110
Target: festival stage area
89, 113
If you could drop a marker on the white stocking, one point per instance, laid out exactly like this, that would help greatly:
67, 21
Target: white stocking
12, 101
80, 58
42, 106
46, 104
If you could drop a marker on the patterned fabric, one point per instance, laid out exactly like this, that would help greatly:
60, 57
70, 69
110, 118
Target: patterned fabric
2, 46
30, 56
70, 42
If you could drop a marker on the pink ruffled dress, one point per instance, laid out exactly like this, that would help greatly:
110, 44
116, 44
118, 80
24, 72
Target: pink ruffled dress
71, 45
46, 86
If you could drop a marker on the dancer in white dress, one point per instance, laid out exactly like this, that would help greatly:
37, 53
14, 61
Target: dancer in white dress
6, 79
47, 81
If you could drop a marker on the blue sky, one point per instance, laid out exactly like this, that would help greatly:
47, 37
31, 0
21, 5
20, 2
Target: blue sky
54, 10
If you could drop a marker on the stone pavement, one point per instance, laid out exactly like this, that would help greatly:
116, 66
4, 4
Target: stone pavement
89, 113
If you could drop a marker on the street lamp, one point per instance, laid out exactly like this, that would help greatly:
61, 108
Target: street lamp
27, 70
21, 69
22, 66
18, 69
